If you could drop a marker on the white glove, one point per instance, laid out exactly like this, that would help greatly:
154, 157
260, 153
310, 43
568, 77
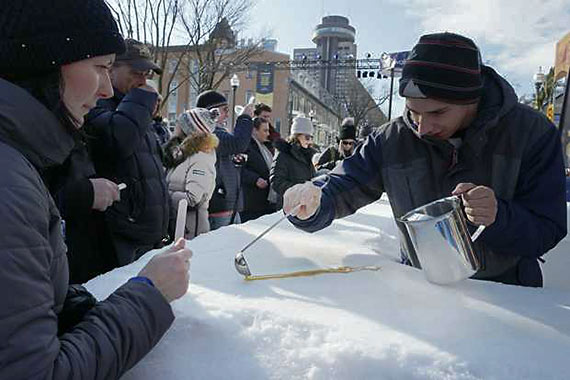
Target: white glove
305, 195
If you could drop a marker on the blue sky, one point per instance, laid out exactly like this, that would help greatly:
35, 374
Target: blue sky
515, 37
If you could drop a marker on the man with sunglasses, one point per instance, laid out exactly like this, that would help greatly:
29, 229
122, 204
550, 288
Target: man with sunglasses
463, 132
124, 149
346, 142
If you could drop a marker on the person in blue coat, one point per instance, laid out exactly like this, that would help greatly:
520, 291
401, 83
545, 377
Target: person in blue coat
462, 132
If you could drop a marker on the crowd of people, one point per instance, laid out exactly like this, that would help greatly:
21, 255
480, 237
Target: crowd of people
92, 179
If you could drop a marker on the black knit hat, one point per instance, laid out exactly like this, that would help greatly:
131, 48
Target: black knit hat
444, 66
347, 129
39, 36
211, 99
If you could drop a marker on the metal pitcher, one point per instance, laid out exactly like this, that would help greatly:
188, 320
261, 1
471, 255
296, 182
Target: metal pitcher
438, 231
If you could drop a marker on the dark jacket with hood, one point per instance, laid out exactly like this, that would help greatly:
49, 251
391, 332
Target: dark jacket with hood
124, 149
114, 334
292, 165
90, 249
509, 148
227, 194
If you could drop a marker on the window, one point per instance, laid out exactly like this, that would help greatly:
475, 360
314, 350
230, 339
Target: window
248, 95
173, 98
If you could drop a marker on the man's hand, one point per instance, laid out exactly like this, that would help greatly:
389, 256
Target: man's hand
479, 202
169, 271
105, 192
261, 183
307, 195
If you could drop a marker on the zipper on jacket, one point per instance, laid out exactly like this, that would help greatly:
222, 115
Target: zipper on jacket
454, 158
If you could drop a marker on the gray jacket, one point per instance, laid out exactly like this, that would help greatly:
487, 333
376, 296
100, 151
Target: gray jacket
194, 180
117, 332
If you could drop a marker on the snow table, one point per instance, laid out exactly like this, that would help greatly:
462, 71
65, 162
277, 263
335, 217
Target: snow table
389, 324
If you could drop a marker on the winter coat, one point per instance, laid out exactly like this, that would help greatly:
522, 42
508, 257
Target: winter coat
255, 199
329, 158
193, 179
90, 249
124, 149
117, 332
292, 165
227, 194
509, 147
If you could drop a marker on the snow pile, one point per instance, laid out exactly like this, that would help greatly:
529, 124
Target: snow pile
389, 324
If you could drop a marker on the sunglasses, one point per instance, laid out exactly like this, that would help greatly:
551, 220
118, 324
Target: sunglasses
343, 142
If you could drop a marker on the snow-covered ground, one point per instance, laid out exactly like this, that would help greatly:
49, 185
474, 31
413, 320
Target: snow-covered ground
389, 324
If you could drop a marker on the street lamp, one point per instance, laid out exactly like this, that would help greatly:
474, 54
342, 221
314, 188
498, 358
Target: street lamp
234, 82
538, 83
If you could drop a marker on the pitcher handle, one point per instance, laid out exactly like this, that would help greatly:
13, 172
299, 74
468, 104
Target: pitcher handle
478, 232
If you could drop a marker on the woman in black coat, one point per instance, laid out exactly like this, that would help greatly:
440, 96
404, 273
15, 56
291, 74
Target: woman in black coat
259, 197
293, 161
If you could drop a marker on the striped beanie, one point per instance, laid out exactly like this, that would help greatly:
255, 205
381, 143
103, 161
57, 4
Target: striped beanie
443, 66
198, 120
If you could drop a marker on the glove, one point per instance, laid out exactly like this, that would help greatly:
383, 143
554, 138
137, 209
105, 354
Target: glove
302, 200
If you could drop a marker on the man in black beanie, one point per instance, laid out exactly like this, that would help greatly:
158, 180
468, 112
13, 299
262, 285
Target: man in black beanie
346, 142
463, 132
227, 199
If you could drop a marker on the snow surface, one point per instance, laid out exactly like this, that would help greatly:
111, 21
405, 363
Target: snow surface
389, 324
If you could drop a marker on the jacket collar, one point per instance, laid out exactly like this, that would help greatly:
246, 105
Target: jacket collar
32, 129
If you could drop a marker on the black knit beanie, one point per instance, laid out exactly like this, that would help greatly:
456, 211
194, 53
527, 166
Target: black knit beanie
39, 36
347, 129
443, 66
211, 99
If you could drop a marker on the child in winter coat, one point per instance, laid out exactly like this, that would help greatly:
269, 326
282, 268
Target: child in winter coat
190, 159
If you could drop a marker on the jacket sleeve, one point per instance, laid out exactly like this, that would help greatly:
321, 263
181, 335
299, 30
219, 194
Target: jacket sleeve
279, 174
113, 336
238, 141
350, 186
75, 199
118, 131
534, 221
248, 175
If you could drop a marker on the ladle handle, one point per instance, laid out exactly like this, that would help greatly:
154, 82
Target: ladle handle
477, 232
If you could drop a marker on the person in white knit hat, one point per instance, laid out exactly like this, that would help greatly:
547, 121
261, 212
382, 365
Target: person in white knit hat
293, 162
190, 159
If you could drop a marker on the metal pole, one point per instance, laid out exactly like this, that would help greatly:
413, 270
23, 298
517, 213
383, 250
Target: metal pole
391, 92
232, 109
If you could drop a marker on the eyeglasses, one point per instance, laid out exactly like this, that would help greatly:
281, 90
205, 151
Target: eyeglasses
345, 142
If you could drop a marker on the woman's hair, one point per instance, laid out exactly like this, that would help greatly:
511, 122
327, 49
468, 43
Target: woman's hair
48, 90
258, 121
294, 139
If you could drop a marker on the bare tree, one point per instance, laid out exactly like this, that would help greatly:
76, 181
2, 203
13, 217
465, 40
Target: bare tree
211, 27
359, 103
154, 22
191, 40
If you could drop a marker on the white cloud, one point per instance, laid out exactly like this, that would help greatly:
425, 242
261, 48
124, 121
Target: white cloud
515, 36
